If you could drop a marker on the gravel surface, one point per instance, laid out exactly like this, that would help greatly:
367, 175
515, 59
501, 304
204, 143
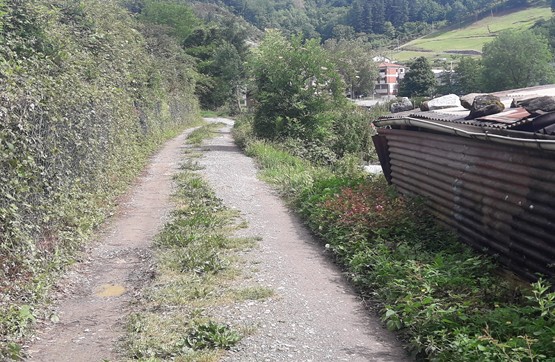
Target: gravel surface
314, 314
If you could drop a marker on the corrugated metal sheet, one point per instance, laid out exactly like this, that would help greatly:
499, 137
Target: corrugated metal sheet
499, 198
509, 116
512, 118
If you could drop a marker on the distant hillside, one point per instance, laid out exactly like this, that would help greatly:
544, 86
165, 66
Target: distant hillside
381, 19
470, 38
219, 14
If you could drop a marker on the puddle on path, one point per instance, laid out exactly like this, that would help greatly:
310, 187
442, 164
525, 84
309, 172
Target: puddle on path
110, 290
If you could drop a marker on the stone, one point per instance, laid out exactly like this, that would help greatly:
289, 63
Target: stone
484, 105
467, 100
533, 105
402, 105
448, 101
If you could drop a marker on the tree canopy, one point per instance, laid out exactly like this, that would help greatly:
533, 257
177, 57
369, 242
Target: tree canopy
178, 18
419, 80
353, 59
468, 76
517, 60
295, 85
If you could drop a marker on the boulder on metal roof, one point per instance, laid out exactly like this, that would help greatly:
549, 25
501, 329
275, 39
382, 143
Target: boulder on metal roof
448, 101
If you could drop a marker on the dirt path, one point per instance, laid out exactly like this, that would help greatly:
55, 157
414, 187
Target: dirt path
94, 297
315, 315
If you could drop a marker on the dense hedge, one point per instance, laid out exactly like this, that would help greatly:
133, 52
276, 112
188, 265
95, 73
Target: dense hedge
86, 93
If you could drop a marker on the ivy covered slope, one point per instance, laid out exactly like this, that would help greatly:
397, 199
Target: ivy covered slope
86, 93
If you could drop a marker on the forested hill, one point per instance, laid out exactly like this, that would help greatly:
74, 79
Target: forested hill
343, 18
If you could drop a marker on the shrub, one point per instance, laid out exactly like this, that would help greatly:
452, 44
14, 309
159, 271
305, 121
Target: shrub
296, 88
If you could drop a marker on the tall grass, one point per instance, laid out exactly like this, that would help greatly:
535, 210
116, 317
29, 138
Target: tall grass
288, 173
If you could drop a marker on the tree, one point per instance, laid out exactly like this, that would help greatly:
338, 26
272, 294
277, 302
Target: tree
220, 51
517, 60
419, 80
467, 77
399, 12
178, 18
378, 16
295, 89
226, 73
344, 32
353, 59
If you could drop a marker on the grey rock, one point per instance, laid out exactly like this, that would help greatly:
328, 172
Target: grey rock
484, 105
467, 100
448, 101
402, 105
533, 105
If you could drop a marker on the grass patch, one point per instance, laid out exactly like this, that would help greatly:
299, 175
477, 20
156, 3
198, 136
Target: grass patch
253, 293
213, 114
470, 37
198, 263
207, 131
406, 55
288, 173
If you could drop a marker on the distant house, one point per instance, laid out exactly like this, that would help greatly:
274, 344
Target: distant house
387, 83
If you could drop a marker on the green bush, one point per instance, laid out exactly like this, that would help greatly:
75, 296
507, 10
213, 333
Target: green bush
296, 88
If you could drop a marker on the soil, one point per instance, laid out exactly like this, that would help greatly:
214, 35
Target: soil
313, 316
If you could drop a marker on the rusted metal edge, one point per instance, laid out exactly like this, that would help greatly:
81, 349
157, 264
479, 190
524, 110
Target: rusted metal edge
382, 149
536, 143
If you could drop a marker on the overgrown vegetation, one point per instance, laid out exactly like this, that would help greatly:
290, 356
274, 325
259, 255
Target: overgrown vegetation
197, 264
200, 134
447, 302
299, 98
87, 94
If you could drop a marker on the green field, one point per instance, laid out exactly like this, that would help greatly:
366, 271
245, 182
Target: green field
470, 38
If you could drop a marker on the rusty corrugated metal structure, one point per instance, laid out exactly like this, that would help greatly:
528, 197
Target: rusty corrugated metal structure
492, 184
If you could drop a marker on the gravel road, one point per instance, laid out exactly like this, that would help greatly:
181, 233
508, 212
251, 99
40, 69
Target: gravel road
314, 314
